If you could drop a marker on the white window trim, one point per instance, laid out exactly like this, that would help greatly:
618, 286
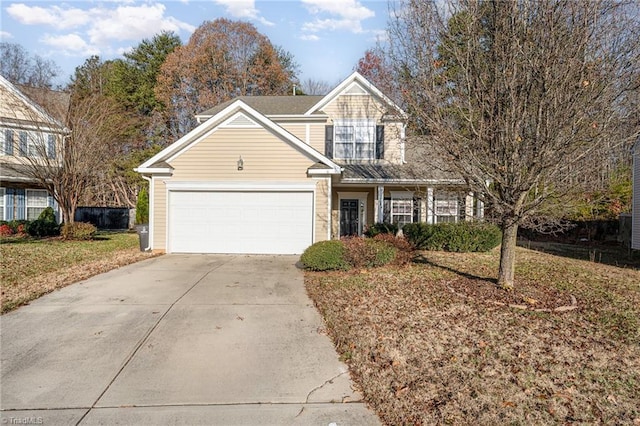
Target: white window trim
29, 197
404, 196
448, 197
3, 203
355, 123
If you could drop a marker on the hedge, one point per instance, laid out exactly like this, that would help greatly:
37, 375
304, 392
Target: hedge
455, 237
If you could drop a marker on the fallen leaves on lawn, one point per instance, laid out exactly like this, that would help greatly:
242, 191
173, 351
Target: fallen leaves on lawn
424, 354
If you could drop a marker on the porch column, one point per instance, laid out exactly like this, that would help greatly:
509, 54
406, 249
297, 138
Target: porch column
379, 213
479, 210
430, 206
468, 207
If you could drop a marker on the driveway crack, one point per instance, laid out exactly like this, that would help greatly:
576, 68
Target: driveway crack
142, 341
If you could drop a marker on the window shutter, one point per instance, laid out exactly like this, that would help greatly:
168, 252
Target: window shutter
8, 204
328, 141
8, 142
21, 210
379, 142
51, 146
23, 144
416, 210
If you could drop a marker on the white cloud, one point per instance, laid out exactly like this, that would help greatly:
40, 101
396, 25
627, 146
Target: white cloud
97, 29
70, 44
133, 23
54, 16
5, 35
336, 15
244, 9
309, 37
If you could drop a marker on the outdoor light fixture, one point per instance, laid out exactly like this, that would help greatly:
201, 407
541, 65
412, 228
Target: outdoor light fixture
240, 163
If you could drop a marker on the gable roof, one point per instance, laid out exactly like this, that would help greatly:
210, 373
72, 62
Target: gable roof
18, 108
356, 77
157, 163
269, 105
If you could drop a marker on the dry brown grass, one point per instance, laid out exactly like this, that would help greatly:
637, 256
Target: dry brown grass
438, 343
32, 268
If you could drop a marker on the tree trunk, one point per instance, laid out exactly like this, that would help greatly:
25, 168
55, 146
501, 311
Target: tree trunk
507, 255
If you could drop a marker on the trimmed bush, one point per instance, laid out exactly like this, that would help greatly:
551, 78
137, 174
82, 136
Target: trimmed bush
5, 230
45, 225
142, 207
404, 249
78, 231
367, 253
456, 237
325, 256
381, 228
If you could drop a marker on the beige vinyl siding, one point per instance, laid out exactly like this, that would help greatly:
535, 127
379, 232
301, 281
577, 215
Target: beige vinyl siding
355, 107
314, 137
316, 133
299, 130
159, 215
393, 142
265, 157
367, 107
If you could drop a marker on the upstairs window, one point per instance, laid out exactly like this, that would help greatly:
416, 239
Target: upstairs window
355, 140
6, 141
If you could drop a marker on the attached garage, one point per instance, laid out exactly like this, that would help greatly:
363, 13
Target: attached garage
256, 220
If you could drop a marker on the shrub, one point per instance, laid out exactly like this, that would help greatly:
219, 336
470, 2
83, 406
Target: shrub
381, 228
142, 207
5, 230
325, 256
404, 249
456, 237
45, 225
367, 253
78, 231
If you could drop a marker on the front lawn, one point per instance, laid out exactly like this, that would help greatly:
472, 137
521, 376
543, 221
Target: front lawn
31, 267
437, 343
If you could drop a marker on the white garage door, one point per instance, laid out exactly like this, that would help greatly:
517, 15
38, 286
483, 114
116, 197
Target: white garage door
260, 222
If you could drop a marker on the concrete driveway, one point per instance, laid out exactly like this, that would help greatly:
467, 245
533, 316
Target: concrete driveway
178, 339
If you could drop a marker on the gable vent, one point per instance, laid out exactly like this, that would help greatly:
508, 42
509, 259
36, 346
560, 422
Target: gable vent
240, 120
355, 89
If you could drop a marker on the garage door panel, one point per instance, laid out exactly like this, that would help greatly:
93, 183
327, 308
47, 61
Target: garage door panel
240, 222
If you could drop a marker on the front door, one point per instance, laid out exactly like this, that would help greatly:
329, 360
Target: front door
349, 218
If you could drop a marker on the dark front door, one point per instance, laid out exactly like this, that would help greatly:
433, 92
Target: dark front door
349, 218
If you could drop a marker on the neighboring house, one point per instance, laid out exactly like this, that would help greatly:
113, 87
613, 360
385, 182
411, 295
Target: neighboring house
28, 136
274, 174
635, 209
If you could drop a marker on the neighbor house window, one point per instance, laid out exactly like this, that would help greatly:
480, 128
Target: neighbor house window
35, 144
6, 141
446, 207
355, 139
2, 203
37, 201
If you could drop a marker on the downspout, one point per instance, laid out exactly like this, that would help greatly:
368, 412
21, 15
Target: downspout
148, 179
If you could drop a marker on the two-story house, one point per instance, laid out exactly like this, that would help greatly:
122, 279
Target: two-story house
29, 137
274, 174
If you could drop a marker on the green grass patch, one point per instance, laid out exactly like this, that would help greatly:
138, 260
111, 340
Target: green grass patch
33, 267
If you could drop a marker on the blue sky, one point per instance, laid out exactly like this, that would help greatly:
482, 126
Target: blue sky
327, 37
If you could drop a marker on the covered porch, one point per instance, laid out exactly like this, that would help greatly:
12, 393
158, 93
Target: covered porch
368, 194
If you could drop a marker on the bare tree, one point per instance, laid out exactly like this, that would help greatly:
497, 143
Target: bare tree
315, 87
17, 66
515, 95
66, 158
